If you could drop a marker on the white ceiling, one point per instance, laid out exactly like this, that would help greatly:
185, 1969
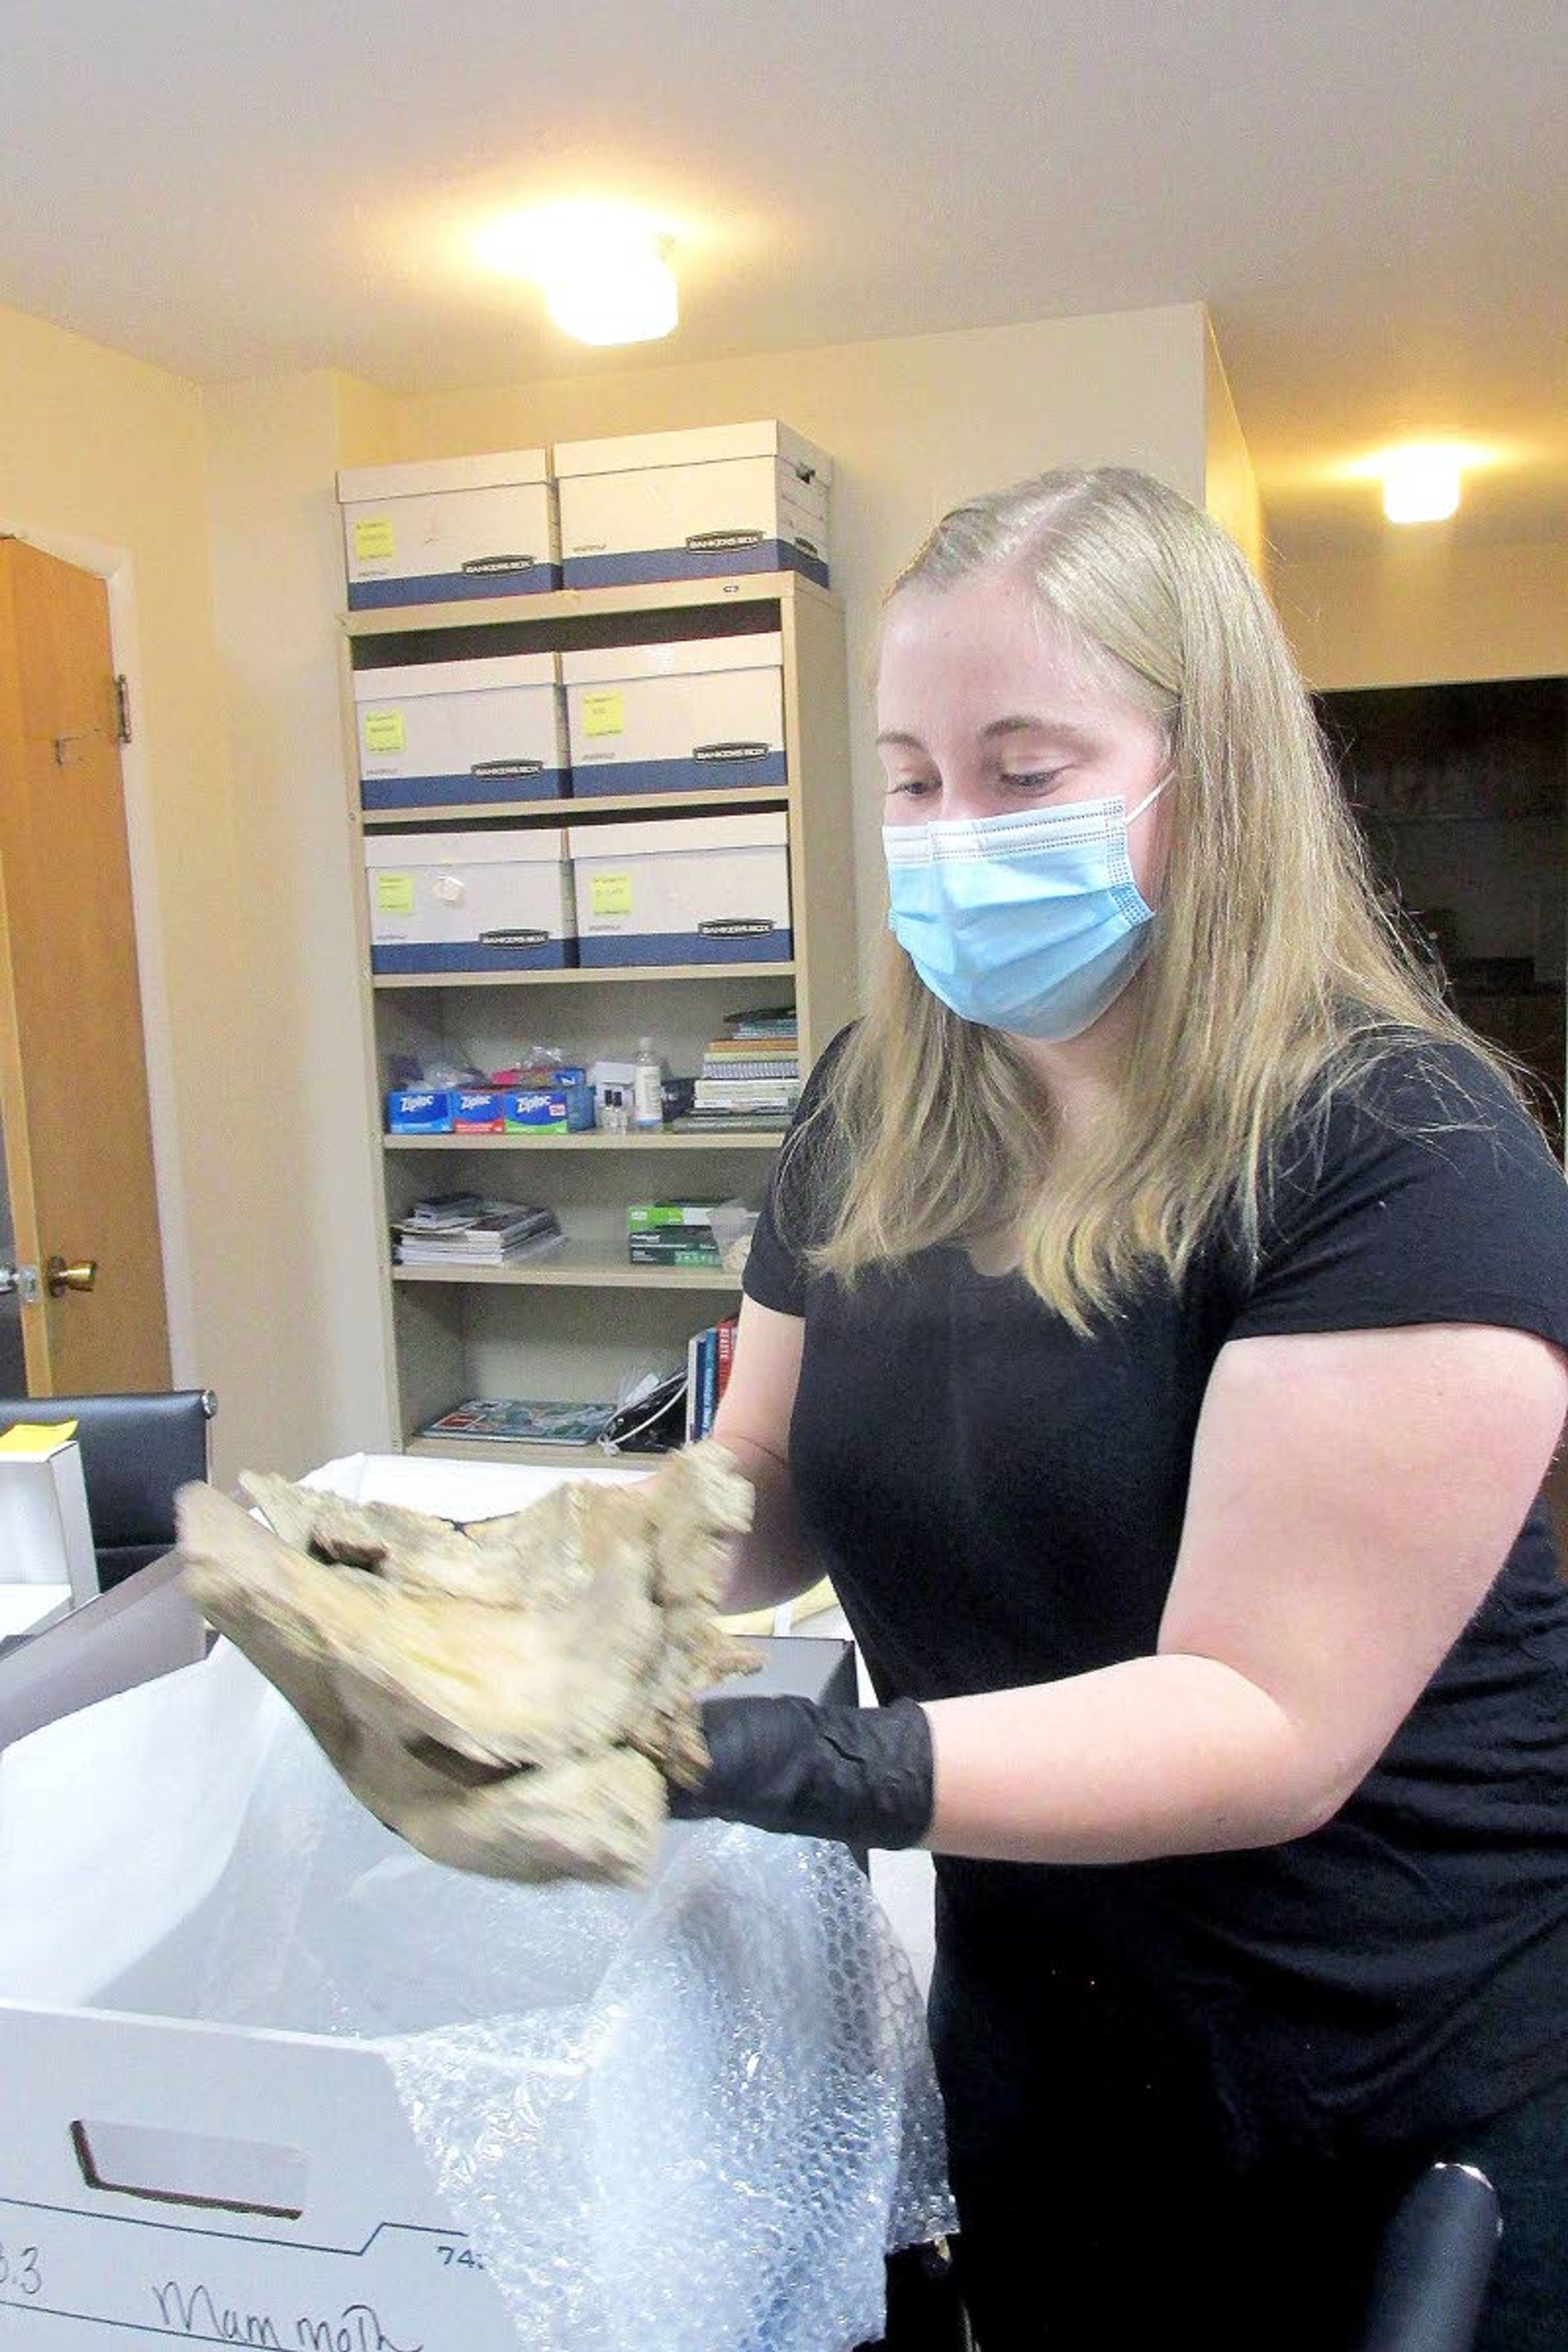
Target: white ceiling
1370, 194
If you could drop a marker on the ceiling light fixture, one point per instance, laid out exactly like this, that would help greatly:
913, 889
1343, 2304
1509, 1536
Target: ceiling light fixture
604, 273
1421, 483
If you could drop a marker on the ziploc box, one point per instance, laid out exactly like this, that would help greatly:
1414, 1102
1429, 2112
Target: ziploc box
479, 1110
450, 527
480, 901
698, 713
419, 1110
439, 734
692, 505
710, 890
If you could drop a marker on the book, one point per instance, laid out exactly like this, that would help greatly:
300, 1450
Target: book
656, 1216
726, 1328
516, 1421
736, 1122
492, 1232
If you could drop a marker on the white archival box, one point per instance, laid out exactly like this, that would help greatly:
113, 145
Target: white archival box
441, 734
169, 2177
682, 890
47, 1564
693, 505
693, 714
489, 901
449, 528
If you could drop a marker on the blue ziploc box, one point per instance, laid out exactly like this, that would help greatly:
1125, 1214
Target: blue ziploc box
535, 1110
419, 1110
479, 1110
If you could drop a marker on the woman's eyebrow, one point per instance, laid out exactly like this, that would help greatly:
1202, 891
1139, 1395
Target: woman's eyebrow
1026, 724
898, 741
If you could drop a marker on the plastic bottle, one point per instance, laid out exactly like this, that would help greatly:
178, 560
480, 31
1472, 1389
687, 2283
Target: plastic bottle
647, 1081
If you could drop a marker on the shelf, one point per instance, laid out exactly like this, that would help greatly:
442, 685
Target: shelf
752, 1139
589, 604
729, 973
579, 1268
548, 1457
568, 810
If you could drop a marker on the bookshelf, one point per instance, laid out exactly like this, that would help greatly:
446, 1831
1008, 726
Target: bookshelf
575, 1322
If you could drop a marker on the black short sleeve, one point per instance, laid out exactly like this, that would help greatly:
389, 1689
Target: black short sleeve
1420, 1192
797, 1209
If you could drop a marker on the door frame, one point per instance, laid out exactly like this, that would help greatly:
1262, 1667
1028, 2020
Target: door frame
113, 566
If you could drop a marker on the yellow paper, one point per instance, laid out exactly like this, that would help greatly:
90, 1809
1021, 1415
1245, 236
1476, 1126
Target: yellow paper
372, 537
394, 894
37, 1437
610, 894
385, 731
603, 712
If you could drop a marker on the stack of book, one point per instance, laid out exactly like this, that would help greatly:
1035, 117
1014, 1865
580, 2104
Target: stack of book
470, 1229
709, 1355
751, 1075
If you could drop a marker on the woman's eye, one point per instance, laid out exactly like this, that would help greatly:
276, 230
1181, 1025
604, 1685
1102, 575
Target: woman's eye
913, 787
1037, 780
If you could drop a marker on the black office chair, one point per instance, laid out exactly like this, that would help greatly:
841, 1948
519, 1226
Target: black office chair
135, 1451
1433, 2264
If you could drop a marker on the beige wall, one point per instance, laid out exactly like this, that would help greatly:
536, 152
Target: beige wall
102, 461
1231, 486
1423, 610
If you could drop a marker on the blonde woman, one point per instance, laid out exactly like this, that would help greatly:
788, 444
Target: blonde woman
1159, 1325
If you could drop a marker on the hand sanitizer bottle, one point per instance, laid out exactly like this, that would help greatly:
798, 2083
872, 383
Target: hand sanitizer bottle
647, 1082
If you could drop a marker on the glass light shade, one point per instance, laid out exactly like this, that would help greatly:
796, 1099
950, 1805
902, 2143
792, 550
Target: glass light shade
1420, 485
612, 293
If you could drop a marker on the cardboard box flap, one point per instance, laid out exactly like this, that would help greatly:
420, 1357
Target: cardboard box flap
506, 468
679, 835
531, 844
635, 452
483, 675
684, 658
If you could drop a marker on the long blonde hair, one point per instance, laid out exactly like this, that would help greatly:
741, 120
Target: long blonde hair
1274, 966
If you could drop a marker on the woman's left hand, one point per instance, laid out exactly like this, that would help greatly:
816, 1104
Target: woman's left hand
860, 1773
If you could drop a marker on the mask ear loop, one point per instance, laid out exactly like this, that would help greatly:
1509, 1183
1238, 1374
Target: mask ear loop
1148, 800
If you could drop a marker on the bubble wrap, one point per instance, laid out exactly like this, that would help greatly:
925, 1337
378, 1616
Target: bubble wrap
692, 2117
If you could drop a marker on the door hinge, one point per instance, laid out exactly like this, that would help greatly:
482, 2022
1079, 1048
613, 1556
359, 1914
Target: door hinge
122, 708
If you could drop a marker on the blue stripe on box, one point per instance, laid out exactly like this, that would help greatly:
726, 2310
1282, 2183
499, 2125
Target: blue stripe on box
686, 947
640, 566
679, 776
453, 792
450, 587
473, 955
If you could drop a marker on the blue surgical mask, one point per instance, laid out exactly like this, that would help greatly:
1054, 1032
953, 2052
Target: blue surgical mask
1029, 922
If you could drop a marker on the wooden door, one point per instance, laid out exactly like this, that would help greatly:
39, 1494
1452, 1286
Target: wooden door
73, 1081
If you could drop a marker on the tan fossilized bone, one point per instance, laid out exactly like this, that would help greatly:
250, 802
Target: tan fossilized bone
511, 1696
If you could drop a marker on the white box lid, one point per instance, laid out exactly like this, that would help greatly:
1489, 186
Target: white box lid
702, 446
669, 835
535, 845
502, 470
683, 657
402, 683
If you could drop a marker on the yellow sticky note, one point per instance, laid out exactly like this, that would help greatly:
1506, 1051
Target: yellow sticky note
610, 894
385, 731
603, 712
37, 1437
372, 537
394, 894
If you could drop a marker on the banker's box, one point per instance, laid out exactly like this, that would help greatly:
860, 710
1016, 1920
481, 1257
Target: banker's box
700, 715
451, 530
693, 506
684, 891
450, 734
165, 2178
471, 901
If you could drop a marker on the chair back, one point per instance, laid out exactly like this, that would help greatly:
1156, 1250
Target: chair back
135, 1452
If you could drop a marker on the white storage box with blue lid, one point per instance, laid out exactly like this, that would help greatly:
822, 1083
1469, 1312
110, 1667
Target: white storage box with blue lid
706, 889
694, 715
451, 530
480, 901
693, 506
440, 734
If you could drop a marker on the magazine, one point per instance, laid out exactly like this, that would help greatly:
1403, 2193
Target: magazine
515, 1421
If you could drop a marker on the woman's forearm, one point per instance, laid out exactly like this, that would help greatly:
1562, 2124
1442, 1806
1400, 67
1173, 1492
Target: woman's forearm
776, 1559
1162, 1754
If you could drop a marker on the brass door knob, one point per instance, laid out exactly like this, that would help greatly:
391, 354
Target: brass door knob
59, 1276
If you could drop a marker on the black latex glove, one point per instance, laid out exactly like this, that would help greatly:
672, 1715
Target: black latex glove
860, 1773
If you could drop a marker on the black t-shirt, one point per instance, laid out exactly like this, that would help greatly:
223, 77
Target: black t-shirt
1001, 1501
